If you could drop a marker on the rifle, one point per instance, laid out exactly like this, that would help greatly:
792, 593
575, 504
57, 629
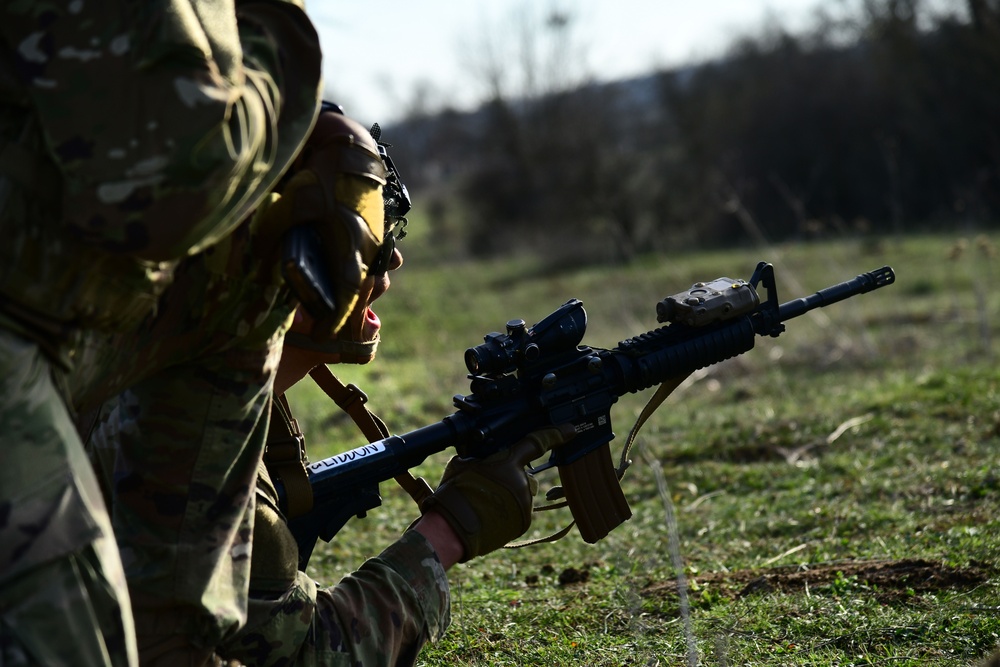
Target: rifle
535, 377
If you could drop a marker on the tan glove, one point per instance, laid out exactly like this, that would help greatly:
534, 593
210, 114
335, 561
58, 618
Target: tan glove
488, 502
336, 189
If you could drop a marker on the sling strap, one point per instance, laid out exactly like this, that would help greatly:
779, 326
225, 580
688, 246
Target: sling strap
285, 454
354, 402
285, 458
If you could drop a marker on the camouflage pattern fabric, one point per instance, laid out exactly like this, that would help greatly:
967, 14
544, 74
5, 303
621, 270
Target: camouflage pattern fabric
156, 126
182, 492
60, 574
229, 299
178, 455
131, 134
380, 615
177, 452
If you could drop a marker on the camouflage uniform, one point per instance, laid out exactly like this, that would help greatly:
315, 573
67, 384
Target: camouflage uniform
130, 135
380, 615
177, 451
178, 454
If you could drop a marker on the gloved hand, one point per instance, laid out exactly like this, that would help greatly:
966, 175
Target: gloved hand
335, 188
488, 502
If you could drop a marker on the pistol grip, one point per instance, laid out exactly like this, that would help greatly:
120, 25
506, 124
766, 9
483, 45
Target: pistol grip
594, 495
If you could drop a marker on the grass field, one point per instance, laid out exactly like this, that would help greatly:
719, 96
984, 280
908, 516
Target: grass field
832, 497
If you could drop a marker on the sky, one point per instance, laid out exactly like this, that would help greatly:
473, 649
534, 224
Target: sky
376, 53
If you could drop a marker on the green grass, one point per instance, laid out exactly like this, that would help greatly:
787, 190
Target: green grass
835, 492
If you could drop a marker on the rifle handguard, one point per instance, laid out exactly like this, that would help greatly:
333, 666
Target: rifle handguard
594, 494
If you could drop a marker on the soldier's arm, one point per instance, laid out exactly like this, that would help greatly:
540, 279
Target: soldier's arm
382, 614
393, 604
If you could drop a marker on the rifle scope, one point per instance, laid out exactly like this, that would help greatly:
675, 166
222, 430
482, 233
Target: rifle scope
560, 331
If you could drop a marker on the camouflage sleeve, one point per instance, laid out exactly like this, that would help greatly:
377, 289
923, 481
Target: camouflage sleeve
393, 604
381, 615
168, 120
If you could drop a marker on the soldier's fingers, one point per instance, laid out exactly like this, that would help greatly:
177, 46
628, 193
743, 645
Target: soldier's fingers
539, 442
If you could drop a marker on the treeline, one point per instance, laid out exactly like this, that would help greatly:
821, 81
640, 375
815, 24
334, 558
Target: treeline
879, 120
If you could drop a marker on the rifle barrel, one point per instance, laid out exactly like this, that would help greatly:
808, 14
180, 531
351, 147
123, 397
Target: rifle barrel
866, 282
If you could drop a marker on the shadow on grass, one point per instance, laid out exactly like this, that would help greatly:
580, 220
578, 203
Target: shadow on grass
887, 581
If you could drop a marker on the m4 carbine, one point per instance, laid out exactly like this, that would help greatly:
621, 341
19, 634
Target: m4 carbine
535, 377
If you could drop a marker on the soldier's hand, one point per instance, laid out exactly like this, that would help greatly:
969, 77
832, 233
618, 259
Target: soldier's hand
488, 502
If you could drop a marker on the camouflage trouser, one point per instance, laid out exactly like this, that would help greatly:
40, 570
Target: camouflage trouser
63, 598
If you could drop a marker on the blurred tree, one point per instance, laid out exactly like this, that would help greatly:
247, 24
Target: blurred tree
882, 114
985, 15
891, 120
557, 166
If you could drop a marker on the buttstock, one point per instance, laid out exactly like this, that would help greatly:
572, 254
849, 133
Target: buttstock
594, 494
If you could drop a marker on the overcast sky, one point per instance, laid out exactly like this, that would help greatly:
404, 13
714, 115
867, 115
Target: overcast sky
376, 52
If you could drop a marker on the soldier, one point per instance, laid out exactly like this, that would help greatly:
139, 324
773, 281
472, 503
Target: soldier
179, 454
131, 135
386, 611
178, 448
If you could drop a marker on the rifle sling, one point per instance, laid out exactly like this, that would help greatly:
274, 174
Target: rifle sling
654, 402
285, 458
353, 401
285, 453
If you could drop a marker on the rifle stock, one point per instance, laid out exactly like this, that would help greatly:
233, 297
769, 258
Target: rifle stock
540, 376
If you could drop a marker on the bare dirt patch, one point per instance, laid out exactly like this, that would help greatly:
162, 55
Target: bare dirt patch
889, 581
